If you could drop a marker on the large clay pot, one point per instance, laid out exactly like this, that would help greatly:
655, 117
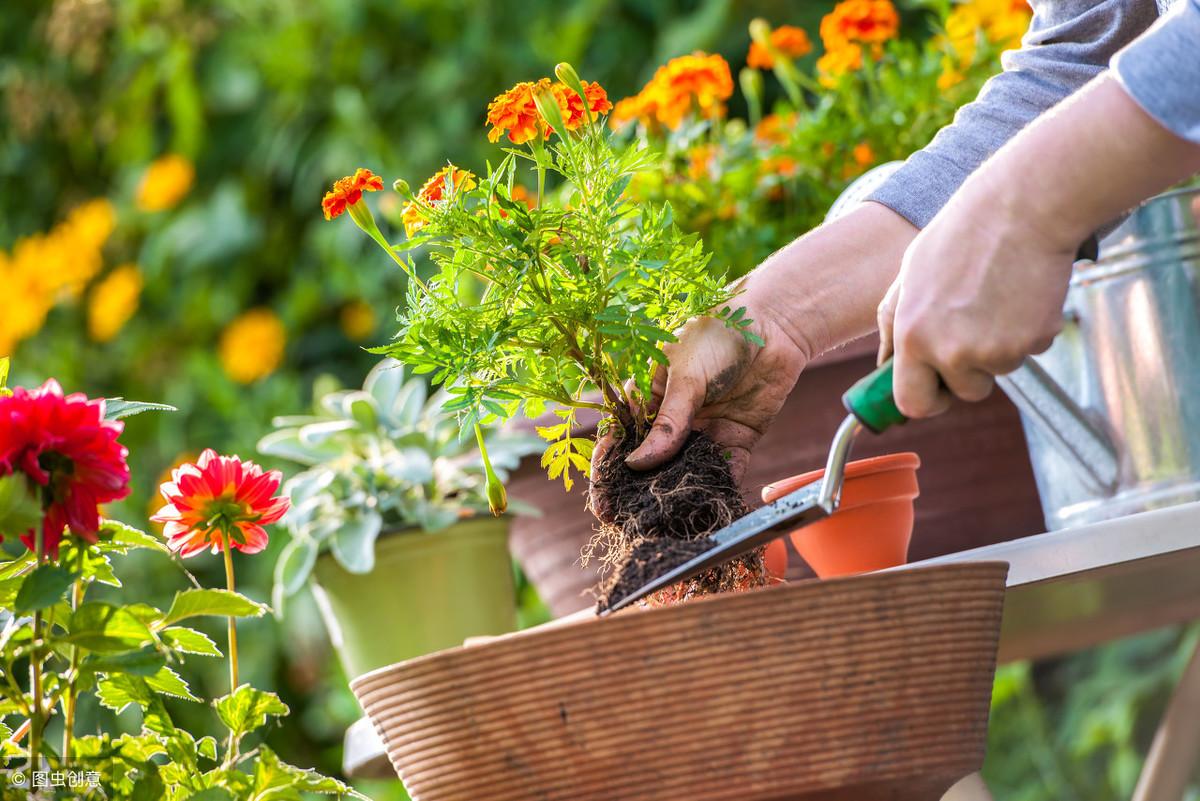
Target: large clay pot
867, 688
428, 591
873, 524
977, 485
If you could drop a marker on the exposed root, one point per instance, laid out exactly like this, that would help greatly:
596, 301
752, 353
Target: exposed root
653, 521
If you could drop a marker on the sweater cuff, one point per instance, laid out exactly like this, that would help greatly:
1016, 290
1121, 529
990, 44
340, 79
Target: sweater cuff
919, 189
1161, 70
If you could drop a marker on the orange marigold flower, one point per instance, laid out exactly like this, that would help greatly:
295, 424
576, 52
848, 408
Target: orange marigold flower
698, 82
571, 104
700, 160
216, 498
861, 22
775, 128
348, 191
434, 191
863, 155
637, 107
837, 62
514, 112
787, 39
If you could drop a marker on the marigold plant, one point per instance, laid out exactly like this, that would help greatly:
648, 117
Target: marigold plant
559, 301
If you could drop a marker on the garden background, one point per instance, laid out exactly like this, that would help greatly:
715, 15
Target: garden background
163, 163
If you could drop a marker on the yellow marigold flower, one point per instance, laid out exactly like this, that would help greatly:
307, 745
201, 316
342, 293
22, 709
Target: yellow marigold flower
252, 345
1002, 22
26, 304
859, 22
837, 62
165, 183
435, 191
357, 320
790, 40
90, 224
113, 302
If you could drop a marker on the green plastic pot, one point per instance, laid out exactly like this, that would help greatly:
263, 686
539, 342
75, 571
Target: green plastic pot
428, 592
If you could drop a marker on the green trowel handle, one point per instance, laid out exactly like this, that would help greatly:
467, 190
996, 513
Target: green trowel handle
871, 399
872, 402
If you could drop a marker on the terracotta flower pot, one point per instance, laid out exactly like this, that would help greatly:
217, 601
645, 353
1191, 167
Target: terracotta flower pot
873, 525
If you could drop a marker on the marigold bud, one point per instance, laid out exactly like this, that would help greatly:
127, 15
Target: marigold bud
401, 186
760, 31
497, 496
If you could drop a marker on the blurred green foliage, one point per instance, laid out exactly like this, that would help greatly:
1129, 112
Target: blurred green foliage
272, 100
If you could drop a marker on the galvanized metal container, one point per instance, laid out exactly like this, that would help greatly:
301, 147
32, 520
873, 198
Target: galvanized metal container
1129, 356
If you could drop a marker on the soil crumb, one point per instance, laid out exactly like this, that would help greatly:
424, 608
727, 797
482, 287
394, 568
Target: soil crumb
653, 521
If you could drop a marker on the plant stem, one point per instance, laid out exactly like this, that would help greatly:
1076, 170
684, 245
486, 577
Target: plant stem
68, 701
35, 668
227, 550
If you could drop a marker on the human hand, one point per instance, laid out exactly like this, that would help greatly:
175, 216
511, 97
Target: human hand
971, 302
982, 286
817, 293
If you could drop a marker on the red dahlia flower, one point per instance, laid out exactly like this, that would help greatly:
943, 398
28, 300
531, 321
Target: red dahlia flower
66, 447
219, 496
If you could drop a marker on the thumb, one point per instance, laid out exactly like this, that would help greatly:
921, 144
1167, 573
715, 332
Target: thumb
885, 318
672, 424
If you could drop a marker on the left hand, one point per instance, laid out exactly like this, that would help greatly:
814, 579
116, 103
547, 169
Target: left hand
979, 289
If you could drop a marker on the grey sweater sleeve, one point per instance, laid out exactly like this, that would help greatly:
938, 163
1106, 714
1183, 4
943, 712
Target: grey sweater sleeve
1161, 70
1069, 42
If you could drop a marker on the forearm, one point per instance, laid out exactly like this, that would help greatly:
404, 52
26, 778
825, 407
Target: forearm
1068, 44
824, 288
1082, 165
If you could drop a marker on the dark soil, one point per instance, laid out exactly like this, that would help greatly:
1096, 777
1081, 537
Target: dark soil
656, 520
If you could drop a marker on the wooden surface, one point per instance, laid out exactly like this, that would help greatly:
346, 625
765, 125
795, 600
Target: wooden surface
977, 486
873, 687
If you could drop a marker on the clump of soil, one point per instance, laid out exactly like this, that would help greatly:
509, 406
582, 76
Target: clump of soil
656, 520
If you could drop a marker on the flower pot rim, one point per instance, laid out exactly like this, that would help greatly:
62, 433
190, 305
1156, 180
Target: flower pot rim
859, 468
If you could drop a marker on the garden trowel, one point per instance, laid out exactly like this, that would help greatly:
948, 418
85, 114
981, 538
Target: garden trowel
871, 405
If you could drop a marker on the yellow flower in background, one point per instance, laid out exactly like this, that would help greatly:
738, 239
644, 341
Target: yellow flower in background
357, 319
44, 269
26, 304
113, 302
165, 183
90, 224
836, 63
252, 345
1000, 22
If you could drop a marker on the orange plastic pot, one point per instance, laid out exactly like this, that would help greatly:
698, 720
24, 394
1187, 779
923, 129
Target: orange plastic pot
873, 525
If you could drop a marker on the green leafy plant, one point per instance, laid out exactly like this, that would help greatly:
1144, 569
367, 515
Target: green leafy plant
557, 303
70, 627
383, 458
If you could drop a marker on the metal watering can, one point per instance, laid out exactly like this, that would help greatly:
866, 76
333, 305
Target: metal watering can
1112, 410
